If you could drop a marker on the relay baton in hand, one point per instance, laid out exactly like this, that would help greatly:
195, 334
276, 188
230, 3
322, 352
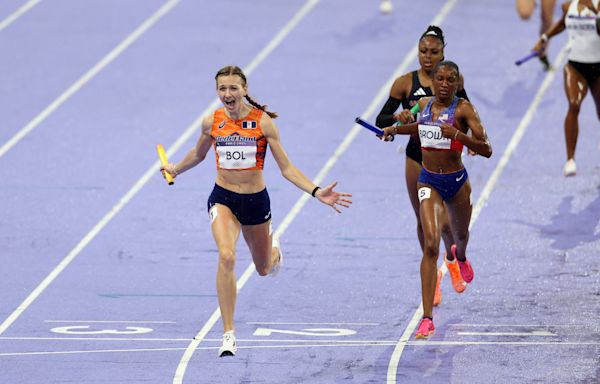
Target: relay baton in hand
530, 56
164, 162
377, 131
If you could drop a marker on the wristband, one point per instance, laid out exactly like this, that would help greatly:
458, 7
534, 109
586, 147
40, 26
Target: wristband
314, 191
544, 38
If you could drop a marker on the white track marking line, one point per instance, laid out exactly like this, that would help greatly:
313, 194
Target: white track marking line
487, 190
301, 323
112, 321
520, 325
90, 74
288, 346
18, 13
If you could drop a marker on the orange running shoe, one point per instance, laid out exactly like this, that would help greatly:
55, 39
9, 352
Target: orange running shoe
437, 298
457, 281
425, 329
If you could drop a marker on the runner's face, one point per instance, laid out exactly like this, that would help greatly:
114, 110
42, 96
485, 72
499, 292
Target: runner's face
445, 83
231, 90
431, 52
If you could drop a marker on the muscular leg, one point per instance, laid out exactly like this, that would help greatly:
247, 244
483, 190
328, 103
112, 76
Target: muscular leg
412, 171
431, 209
575, 89
259, 242
226, 231
459, 209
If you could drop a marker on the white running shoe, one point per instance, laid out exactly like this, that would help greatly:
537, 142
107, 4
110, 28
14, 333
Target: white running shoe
570, 168
228, 348
386, 6
277, 266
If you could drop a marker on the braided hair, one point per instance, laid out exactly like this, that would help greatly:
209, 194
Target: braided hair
231, 70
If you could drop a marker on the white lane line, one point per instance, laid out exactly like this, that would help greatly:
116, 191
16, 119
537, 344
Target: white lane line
301, 323
289, 346
520, 325
18, 13
90, 74
112, 321
508, 334
487, 190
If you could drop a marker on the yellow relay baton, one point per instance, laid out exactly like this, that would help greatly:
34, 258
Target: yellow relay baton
163, 160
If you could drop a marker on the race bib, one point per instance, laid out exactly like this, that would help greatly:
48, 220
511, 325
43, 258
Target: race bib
236, 156
431, 137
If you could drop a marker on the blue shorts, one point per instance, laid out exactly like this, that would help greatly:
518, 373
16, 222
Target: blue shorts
248, 208
447, 184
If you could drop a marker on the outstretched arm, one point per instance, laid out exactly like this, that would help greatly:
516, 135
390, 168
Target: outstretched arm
288, 170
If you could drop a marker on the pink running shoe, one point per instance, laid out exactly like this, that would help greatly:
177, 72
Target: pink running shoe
425, 329
466, 270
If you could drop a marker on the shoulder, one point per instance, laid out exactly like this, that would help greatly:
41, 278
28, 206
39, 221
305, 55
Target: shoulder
267, 125
402, 85
208, 121
465, 108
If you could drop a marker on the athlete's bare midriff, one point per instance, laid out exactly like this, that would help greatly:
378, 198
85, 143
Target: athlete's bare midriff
241, 181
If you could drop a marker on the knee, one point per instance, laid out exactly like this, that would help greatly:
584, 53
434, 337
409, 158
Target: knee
226, 259
431, 249
575, 106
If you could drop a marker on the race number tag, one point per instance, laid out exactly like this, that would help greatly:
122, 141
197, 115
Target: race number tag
431, 137
236, 156
424, 193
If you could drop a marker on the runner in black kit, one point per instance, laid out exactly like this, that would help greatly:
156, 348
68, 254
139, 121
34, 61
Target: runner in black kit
407, 90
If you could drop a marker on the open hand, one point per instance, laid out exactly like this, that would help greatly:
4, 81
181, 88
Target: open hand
332, 198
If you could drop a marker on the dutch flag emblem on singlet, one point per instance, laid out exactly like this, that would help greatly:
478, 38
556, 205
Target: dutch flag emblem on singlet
248, 124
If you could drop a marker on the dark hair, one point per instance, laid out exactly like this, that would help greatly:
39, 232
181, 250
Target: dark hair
447, 63
231, 70
435, 31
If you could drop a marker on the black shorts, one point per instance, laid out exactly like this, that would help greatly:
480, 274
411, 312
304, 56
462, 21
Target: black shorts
413, 149
589, 71
248, 208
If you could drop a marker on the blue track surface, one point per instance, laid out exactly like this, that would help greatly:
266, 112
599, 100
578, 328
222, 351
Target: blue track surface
136, 284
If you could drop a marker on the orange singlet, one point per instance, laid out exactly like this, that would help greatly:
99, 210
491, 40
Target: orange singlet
239, 144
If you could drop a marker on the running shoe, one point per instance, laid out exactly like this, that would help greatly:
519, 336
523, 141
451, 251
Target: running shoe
228, 348
425, 329
277, 266
570, 168
466, 271
437, 297
457, 281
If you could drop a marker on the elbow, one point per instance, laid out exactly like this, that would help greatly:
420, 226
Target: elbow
488, 152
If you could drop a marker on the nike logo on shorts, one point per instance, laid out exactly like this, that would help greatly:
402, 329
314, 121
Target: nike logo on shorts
460, 178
